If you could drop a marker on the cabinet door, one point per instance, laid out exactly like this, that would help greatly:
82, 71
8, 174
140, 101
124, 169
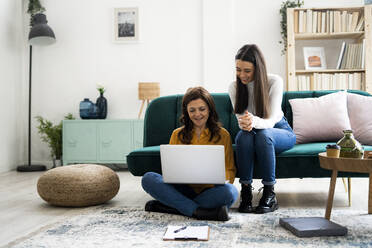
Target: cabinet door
80, 141
115, 139
137, 134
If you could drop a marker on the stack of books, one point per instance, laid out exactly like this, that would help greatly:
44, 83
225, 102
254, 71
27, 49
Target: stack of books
328, 21
330, 81
351, 56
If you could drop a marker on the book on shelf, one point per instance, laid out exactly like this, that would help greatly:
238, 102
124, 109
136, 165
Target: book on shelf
342, 51
304, 23
360, 26
300, 21
309, 21
319, 24
323, 24
315, 21
296, 21
343, 21
328, 22
337, 21
348, 24
354, 20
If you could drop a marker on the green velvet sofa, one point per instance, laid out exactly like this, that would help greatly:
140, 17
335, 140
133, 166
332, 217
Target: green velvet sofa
162, 117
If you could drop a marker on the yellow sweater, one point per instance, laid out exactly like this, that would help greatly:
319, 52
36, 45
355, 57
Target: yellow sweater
204, 140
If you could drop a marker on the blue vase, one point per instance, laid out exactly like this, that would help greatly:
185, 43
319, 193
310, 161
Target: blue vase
88, 110
85, 108
101, 107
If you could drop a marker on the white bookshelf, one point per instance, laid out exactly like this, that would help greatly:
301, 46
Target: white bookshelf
331, 35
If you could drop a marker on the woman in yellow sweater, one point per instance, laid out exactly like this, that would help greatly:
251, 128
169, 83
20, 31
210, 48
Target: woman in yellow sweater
201, 127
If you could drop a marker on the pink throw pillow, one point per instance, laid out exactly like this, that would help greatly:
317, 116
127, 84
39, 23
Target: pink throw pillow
360, 114
320, 119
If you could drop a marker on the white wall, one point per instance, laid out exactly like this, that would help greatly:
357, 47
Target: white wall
11, 50
182, 43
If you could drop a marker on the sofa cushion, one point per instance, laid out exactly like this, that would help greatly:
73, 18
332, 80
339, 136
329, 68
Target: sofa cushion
320, 119
360, 112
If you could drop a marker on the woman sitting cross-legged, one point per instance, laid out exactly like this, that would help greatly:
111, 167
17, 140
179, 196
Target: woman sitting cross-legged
203, 201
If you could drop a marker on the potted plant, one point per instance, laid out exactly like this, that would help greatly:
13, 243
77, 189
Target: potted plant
283, 22
52, 134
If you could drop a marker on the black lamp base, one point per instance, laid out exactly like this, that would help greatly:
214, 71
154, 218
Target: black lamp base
30, 168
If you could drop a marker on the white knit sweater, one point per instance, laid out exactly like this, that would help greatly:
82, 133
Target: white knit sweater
275, 100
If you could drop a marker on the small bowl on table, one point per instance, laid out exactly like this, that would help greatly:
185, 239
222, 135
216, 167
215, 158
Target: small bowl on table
333, 150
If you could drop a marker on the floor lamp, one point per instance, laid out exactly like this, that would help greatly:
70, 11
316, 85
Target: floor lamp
41, 35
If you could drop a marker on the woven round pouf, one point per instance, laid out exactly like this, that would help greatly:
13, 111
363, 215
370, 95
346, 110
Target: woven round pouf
78, 185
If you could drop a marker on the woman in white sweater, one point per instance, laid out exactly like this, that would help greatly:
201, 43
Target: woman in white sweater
265, 132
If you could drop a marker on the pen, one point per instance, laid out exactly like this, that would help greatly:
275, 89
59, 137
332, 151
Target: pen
180, 229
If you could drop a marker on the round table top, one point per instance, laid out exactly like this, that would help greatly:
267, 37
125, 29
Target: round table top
345, 164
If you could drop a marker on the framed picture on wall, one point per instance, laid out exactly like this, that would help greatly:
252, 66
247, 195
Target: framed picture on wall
314, 58
126, 24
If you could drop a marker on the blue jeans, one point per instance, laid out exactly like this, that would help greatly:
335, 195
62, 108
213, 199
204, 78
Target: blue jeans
183, 198
258, 147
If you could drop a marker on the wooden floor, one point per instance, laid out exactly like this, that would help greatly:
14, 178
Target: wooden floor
22, 211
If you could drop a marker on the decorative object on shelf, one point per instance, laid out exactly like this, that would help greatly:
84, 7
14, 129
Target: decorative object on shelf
52, 134
283, 22
147, 92
88, 110
314, 58
126, 25
40, 34
350, 147
101, 103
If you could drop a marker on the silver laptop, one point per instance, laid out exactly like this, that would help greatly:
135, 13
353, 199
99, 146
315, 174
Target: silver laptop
193, 164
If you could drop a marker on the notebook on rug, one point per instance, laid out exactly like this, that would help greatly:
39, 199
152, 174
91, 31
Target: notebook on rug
193, 164
200, 233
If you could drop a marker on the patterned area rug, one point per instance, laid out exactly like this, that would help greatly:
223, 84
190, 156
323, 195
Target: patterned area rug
133, 227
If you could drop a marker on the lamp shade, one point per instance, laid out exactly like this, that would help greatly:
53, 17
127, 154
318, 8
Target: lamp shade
41, 34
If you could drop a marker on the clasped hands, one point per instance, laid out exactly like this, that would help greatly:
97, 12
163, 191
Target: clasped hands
246, 121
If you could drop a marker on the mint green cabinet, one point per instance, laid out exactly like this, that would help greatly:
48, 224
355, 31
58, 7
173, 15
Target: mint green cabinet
100, 141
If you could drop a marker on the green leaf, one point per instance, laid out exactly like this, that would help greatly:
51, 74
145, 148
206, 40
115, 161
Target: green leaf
283, 23
52, 134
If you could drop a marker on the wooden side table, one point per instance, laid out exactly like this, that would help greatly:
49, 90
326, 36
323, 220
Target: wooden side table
347, 165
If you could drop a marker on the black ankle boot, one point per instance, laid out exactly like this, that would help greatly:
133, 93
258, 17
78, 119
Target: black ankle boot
220, 213
157, 206
268, 202
246, 199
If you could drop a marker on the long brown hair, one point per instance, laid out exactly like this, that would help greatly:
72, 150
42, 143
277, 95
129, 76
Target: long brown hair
185, 135
251, 53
